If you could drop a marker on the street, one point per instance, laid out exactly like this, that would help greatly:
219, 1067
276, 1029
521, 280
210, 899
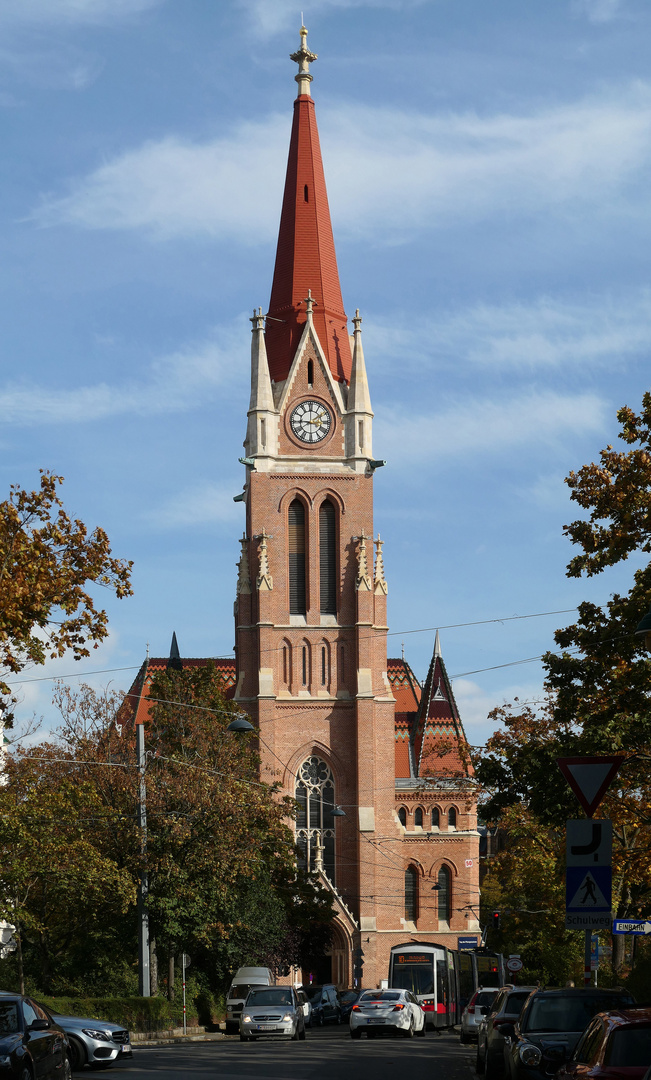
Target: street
326, 1052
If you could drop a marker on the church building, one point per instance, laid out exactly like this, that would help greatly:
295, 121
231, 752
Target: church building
377, 763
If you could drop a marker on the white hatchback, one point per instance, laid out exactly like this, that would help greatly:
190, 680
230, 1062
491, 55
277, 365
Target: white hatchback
386, 1010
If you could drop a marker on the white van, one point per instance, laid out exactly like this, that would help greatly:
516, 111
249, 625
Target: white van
246, 978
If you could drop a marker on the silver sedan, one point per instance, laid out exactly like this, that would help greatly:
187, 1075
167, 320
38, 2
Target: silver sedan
387, 1010
272, 1010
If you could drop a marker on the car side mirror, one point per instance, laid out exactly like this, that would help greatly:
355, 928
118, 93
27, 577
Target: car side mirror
507, 1030
39, 1025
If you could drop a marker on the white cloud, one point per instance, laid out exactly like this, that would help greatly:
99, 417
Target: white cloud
272, 16
486, 427
389, 173
71, 11
199, 505
546, 333
598, 11
173, 383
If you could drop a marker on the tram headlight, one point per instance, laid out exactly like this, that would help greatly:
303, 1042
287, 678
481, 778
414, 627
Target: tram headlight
530, 1055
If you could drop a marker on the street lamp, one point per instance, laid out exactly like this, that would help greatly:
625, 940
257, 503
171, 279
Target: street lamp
644, 630
240, 723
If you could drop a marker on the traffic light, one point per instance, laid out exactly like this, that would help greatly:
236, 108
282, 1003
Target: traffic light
496, 920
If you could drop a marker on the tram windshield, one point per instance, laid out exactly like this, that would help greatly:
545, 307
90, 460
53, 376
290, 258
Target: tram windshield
413, 971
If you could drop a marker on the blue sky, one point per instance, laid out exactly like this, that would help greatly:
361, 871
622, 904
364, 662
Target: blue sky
487, 167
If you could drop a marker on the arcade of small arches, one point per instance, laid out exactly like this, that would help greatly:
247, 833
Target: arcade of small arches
430, 818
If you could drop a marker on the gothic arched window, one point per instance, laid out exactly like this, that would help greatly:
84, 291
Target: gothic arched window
444, 894
402, 815
436, 817
418, 817
411, 894
296, 546
315, 825
452, 818
328, 558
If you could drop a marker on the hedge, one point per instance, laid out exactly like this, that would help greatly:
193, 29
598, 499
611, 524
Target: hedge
135, 1013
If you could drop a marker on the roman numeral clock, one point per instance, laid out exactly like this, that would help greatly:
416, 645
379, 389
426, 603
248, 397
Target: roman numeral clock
310, 421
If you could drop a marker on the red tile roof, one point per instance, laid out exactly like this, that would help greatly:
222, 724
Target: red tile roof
135, 709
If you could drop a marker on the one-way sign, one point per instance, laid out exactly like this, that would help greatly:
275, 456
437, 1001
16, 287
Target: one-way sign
631, 926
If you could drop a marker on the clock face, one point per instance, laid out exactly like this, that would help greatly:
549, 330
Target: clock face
311, 421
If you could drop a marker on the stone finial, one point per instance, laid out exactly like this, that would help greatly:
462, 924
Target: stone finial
357, 321
243, 576
258, 319
363, 576
318, 853
303, 57
265, 581
380, 580
310, 304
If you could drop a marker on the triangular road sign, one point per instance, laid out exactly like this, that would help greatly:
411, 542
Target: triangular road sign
589, 777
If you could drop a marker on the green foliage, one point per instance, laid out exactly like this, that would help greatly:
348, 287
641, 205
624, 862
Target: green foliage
136, 1013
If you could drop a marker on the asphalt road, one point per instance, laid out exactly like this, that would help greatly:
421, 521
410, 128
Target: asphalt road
327, 1054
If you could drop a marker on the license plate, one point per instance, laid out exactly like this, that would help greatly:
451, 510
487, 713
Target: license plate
374, 1020
265, 1027
126, 1048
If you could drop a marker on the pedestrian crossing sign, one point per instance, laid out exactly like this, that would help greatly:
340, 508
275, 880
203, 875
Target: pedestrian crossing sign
588, 889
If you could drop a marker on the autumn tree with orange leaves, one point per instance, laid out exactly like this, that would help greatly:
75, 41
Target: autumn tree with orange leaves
47, 561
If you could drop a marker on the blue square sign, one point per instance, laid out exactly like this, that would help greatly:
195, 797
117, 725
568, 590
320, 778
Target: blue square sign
588, 889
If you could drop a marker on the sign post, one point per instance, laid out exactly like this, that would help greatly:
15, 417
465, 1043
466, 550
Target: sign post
185, 962
589, 850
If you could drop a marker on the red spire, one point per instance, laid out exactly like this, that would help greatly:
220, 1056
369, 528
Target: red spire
305, 256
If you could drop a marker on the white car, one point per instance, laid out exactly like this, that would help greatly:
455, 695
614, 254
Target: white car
384, 1010
305, 1004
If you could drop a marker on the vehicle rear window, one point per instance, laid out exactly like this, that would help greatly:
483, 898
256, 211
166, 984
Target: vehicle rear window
629, 1046
567, 1013
514, 1002
382, 996
8, 1018
272, 996
486, 997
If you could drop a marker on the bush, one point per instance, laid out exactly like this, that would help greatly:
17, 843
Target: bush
136, 1013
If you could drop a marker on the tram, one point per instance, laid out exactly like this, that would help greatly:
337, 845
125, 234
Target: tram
443, 979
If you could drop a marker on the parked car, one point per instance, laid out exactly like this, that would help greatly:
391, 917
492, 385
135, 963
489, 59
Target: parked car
325, 1005
272, 1010
615, 1045
550, 1025
31, 1044
245, 979
476, 1008
348, 998
384, 1010
505, 1009
93, 1042
305, 1004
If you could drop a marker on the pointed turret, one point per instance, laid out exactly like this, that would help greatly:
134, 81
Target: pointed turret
262, 430
305, 256
439, 740
174, 663
359, 415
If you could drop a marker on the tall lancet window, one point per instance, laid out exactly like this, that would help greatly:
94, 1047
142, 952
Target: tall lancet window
444, 894
315, 825
296, 527
328, 558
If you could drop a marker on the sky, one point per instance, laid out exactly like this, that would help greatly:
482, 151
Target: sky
487, 168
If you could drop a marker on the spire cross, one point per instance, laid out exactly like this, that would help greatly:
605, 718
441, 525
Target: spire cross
303, 57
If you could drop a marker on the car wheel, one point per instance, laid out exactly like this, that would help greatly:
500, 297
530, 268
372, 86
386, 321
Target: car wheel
355, 1033
409, 1033
67, 1069
491, 1072
243, 1038
422, 1031
301, 1034
294, 1037
25, 1073
479, 1064
77, 1055
319, 1019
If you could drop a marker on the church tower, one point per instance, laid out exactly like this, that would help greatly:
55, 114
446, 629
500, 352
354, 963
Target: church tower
311, 594
310, 614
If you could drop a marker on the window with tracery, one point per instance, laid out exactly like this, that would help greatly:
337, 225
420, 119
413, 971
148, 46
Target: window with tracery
315, 824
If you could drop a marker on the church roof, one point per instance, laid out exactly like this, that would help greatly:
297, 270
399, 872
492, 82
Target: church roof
135, 708
440, 743
305, 256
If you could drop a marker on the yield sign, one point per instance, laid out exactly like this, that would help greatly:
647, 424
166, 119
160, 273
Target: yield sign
589, 777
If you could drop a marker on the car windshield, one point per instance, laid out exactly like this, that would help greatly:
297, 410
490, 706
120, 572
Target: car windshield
271, 996
8, 1018
566, 1013
381, 996
629, 1047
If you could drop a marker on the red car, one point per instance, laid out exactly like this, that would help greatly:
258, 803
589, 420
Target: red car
615, 1046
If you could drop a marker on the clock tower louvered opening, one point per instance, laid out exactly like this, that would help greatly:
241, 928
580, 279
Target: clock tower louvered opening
328, 558
296, 528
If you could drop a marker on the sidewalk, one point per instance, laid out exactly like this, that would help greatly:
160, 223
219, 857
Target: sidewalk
144, 1040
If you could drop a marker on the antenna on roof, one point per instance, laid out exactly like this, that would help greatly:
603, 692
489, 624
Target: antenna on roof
147, 650
403, 650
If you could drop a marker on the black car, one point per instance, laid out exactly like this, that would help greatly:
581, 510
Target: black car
348, 998
325, 1006
504, 1011
31, 1045
549, 1027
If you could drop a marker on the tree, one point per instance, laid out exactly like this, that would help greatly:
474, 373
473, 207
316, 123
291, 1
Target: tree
47, 561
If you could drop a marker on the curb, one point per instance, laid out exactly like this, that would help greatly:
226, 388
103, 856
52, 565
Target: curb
174, 1040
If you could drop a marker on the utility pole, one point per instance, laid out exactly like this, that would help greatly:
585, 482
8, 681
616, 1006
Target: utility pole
143, 914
